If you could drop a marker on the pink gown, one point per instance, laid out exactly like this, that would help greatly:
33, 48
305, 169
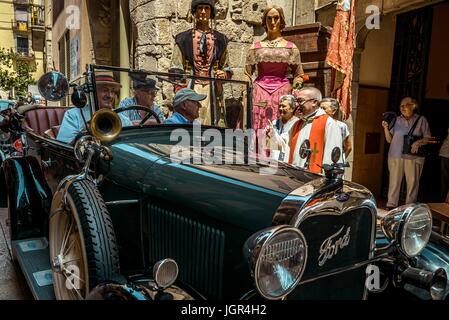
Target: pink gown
274, 68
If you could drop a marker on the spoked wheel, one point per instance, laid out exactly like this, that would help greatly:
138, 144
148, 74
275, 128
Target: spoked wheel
83, 249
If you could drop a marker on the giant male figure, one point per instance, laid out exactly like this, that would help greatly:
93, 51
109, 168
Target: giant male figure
202, 51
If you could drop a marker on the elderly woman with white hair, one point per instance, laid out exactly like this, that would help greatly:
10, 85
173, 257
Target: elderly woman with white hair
278, 131
401, 161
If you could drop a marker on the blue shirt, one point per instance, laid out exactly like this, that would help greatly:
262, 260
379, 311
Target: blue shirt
134, 115
177, 118
73, 123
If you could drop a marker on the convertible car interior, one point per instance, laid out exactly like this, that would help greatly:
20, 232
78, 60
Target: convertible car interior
45, 121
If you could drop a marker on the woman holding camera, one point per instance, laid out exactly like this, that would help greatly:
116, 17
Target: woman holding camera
405, 158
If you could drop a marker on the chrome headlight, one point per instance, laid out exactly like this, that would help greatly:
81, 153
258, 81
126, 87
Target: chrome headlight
277, 258
165, 273
410, 226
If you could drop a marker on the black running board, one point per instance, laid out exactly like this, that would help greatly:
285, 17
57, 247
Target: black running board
34, 260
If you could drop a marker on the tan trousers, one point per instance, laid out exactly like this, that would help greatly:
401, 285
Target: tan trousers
205, 110
205, 104
412, 170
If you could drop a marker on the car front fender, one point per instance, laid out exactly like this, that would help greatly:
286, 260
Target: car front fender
433, 257
28, 196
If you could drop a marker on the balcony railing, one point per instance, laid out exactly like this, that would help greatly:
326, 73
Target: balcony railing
20, 26
37, 23
37, 17
22, 2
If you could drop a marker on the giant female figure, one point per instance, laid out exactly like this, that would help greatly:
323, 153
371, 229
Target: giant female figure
275, 60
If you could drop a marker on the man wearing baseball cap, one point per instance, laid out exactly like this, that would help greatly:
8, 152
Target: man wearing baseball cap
73, 123
186, 104
144, 93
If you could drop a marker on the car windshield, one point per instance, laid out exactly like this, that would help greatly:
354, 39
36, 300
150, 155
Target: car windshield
149, 98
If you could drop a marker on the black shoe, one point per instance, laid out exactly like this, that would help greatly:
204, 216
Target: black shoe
390, 208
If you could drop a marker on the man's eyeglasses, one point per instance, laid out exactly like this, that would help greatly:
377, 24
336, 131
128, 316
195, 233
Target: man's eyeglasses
303, 101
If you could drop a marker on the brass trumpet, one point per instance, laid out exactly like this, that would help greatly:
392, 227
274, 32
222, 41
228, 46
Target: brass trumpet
105, 125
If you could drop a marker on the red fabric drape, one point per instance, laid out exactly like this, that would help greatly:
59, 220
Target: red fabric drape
340, 54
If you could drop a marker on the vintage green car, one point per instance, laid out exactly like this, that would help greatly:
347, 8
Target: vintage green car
126, 213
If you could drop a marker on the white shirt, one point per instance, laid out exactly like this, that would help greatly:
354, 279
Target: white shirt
332, 139
344, 135
344, 129
280, 139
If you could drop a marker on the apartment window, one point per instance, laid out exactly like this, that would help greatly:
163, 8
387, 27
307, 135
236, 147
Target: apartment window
22, 46
21, 17
21, 14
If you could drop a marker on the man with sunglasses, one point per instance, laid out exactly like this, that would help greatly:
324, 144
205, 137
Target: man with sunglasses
315, 127
144, 93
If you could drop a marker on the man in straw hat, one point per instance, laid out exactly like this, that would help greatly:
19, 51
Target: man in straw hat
202, 52
107, 92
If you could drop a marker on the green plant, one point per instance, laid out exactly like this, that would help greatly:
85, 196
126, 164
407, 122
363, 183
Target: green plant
15, 73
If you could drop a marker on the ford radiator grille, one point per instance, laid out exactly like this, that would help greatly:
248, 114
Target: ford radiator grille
197, 248
336, 241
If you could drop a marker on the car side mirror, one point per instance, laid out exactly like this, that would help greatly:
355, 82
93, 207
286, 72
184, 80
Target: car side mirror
78, 98
53, 86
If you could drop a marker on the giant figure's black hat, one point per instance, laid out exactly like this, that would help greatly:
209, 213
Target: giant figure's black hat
211, 3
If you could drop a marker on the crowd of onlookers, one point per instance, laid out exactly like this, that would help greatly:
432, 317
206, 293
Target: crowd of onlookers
305, 134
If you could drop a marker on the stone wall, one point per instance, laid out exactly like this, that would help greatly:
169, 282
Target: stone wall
158, 21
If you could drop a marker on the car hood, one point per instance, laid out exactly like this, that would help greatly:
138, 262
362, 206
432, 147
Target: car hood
142, 152
144, 164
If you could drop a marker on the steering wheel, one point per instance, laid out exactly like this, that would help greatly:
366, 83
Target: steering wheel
150, 112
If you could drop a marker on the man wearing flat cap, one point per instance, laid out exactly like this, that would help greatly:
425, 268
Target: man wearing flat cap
202, 52
73, 123
186, 106
144, 93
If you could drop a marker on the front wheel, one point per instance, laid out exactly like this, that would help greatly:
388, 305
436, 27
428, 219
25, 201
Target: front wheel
83, 248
